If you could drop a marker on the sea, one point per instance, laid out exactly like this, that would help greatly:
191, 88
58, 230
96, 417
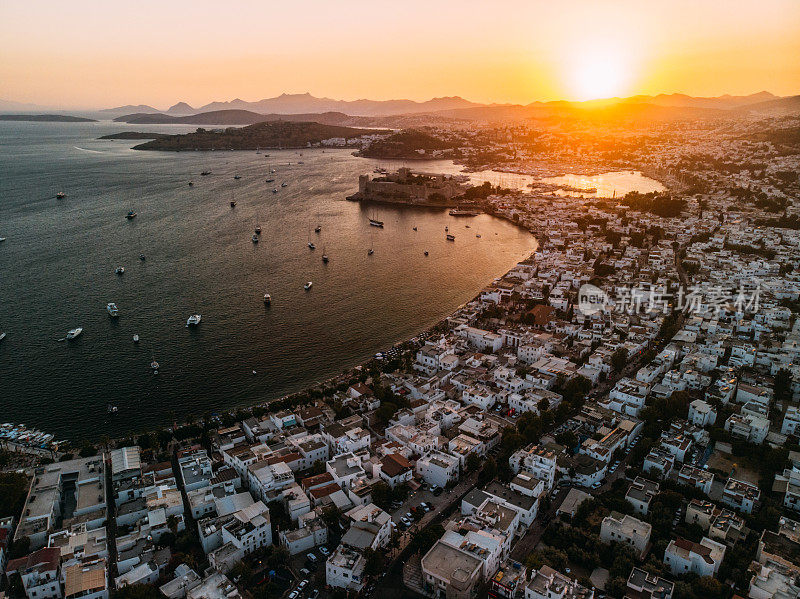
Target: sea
57, 272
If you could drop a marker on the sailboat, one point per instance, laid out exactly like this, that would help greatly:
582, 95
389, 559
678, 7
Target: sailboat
375, 222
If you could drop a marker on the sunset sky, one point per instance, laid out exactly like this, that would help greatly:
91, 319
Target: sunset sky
84, 54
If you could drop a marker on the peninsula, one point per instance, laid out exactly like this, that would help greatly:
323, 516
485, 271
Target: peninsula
277, 134
134, 135
46, 118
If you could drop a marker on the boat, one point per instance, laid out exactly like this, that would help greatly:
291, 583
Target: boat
275, 190
478, 235
311, 245
142, 257
60, 195
74, 333
112, 309
204, 173
258, 229
318, 228
413, 228
193, 320
376, 223
267, 299
450, 237
460, 212
237, 177
191, 183
270, 180
254, 238
119, 270
2, 335
131, 215
154, 365
111, 409
370, 251
233, 203
136, 338
426, 252
284, 184
2, 239
446, 228
324, 256
467, 227
308, 285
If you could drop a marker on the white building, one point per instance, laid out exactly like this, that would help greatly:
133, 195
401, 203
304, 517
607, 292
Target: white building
538, 461
702, 413
703, 558
438, 468
625, 529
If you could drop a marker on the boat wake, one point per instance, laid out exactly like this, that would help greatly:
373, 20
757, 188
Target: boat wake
87, 150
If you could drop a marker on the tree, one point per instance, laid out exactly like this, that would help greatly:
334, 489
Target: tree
375, 562
488, 473
20, 548
473, 463
138, 591
618, 359
567, 439
13, 490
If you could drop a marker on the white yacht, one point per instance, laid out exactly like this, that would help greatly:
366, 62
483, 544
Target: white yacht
311, 246
136, 338
308, 285
2, 335
267, 299
119, 270
113, 311
193, 320
2, 239
74, 333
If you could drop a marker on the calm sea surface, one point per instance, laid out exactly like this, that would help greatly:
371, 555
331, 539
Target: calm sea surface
616, 183
57, 273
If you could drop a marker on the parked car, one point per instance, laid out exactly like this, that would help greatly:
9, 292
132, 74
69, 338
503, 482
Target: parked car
438, 491
324, 551
305, 571
294, 594
312, 558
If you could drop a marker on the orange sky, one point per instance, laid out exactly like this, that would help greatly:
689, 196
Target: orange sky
100, 54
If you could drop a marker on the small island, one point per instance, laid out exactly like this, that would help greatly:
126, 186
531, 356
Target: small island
134, 135
45, 118
268, 135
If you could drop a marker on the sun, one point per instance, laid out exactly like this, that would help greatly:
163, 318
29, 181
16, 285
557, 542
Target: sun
598, 72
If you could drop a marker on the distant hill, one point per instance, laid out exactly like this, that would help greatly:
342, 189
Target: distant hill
242, 117
406, 112
46, 118
306, 103
274, 134
725, 102
11, 105
595, 111
127, 109
776, 107
181, 108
